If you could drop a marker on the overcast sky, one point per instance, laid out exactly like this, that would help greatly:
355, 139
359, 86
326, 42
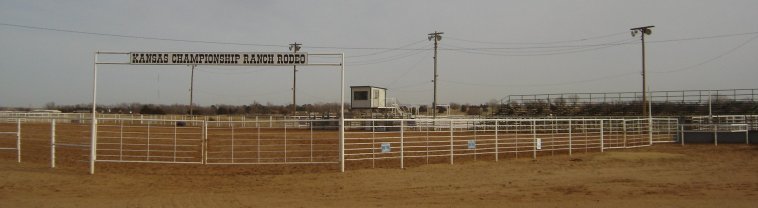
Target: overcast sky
490, 49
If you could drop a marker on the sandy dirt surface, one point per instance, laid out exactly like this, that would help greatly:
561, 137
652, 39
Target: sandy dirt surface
664, 175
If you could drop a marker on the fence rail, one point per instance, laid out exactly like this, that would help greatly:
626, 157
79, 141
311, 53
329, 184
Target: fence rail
436, 140
10, 138
272, 142
367, 142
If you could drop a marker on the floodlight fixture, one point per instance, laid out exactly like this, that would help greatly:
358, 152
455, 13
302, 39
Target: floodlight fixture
295, 46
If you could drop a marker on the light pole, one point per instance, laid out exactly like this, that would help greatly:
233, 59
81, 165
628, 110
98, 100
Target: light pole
436, 36
192, 84
643, 31
294, 47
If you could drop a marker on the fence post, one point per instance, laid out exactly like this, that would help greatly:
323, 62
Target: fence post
18, 139
175, 126
310, 125
258, 146
93, 145
650, 130
148, 141
373, 143
52, 143
451, 141
715, 134
285, 142
747, 134
204, 142
623, 126
518, 128
232, 127
402, 148
121, 141
496, 142
534, 138
682, 138
602, 143
570, 135
668, 127
342, 142
473, 123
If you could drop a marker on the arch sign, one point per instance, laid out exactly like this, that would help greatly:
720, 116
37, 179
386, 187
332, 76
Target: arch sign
218, 58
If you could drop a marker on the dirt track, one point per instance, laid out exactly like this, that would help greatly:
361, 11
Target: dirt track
660, 176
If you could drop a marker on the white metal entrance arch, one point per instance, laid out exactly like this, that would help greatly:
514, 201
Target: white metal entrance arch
220, 59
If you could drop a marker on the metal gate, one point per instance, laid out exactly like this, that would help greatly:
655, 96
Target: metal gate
273, 142
10, 137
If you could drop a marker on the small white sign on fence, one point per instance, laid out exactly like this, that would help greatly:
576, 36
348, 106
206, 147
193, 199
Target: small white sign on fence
472, 144
385, 147
538, 143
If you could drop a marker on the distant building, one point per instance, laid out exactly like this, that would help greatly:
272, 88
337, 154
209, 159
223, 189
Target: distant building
45, 111
368, 97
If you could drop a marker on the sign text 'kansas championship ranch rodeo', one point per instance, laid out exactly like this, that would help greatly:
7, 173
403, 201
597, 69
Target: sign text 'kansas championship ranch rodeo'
200, 58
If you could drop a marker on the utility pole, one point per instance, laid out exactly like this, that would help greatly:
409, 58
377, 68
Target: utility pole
294, 47
192, 84
436, 36
643, 31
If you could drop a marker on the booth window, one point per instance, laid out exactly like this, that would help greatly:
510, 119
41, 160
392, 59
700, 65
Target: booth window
360, 95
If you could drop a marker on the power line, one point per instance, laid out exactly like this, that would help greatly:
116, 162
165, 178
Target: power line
412, 68
608, 76
538, 43
604, 44
386, 59
138, 37
541, 85
547, 49
347, 48
386, 50
409, 85
537, 50
614, 43
703, 37
558, 52
263, 94
194, 41
709, 60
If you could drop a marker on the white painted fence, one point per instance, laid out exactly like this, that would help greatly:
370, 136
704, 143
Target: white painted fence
446, 140
367, 142
10, 137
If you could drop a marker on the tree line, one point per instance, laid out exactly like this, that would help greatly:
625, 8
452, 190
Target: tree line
254, 108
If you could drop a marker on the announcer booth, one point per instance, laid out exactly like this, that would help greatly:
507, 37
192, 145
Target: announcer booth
368, 97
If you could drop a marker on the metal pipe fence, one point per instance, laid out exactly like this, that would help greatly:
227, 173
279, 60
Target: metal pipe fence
150, 141
69, 143
367, 142
46, 117
272, 142
10, 137
750, 120
435, 141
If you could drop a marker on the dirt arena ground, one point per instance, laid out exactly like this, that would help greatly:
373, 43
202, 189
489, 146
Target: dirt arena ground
665, 175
